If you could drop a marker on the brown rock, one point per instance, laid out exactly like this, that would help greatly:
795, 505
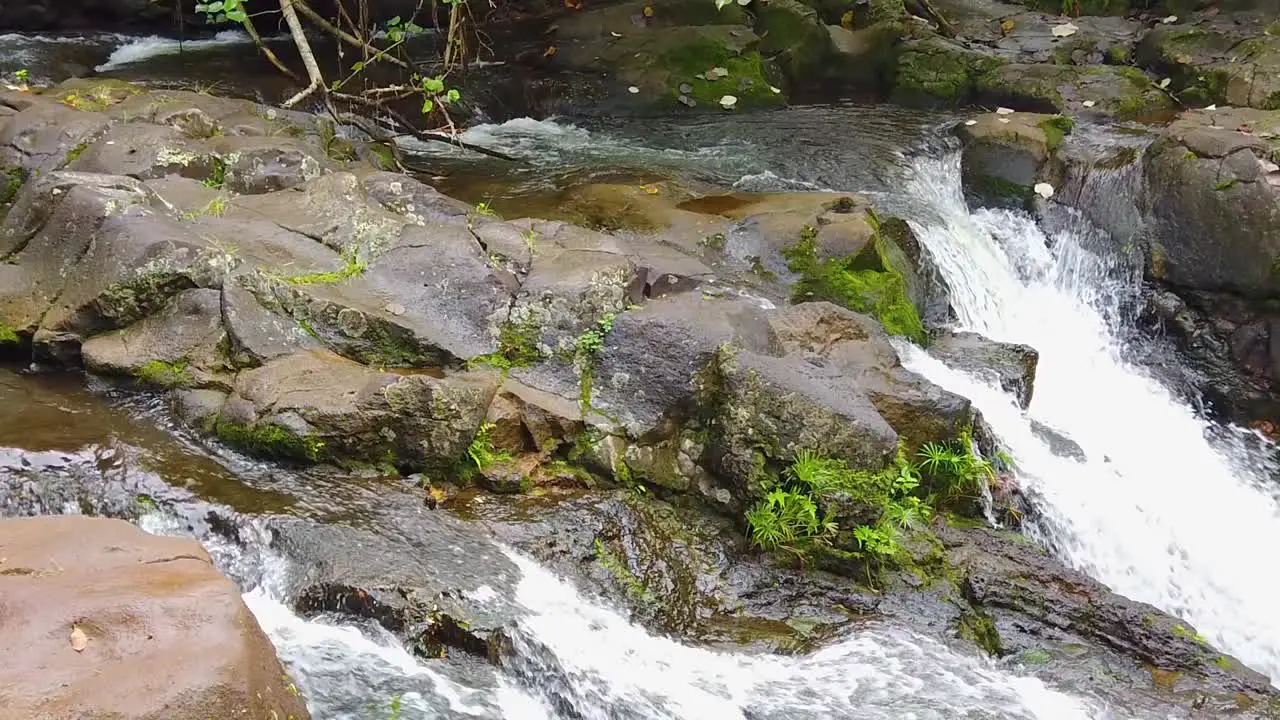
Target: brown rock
164, 634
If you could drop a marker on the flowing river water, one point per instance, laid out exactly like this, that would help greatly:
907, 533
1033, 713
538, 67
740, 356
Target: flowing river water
1162, 506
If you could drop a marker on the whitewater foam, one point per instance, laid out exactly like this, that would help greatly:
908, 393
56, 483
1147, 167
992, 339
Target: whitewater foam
138, 49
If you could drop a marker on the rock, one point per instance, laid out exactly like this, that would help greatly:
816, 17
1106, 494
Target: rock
164, 634
503, 478
179, 346
933, 70
41, 137
1215, 200
1014, 586
1217, 60
793, 32
863, 58
1123, 93
1013, 366
1059, 444
315, 406
658, 60
256, 334
1006, 156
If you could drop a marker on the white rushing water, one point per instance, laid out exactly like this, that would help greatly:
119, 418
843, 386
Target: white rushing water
137, 49
580, 653
1160, 510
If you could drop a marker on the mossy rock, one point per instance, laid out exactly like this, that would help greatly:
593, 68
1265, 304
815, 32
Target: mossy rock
932, 71
1120, 92
794, 33
271, 441
873, 281
1210, 65
94, 94
1006, 155
751, 78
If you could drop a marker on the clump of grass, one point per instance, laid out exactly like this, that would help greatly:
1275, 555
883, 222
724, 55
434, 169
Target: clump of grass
481, 450
353, 266
216, 207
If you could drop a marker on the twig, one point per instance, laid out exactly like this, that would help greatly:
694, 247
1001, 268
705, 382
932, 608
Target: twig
339, 33
304, 50
425, 135
266, 51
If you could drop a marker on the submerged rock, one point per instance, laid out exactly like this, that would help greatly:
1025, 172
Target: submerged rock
130, 625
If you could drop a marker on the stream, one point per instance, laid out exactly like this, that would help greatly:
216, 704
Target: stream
1163, 507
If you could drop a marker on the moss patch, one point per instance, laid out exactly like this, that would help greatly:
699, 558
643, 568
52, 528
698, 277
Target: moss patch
74, 153
932, 71
11, 181
9, 336
978, 627
271, 441
1056, 129
158, 372
867, 282
747, 79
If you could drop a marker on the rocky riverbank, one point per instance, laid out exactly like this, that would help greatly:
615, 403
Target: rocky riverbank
645, 409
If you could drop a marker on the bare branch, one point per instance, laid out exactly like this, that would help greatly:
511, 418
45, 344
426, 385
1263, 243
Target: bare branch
304, 50
339, 33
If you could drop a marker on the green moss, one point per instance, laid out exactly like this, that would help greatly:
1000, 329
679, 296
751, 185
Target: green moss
1056, 129
518, 342
866, 283
11, 181
164, 374
1223, 662
748, 78
1076, 8
934, 70
1035, 656
1118, 55
1225, 185
9, 336
77, 151
271, 441
617, 567
352, 267
978, 627
140, 296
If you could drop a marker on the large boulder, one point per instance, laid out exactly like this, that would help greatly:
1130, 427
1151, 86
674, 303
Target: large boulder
1012, 366
1214, 195
112, 622
1223, 60
1006, 156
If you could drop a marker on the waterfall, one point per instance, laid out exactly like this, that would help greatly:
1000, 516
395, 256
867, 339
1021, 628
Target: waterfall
1165, 508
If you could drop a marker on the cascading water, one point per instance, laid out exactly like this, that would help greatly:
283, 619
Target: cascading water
1160, 509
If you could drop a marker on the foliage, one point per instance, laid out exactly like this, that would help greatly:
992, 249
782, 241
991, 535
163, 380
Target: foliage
8, 336
352, 266
217, 174
221, 11
481, 450
784, 518
11, 182
954, 469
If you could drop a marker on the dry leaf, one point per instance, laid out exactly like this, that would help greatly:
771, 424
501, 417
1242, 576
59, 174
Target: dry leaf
970, 122
1170, 20
651, 189
1003, 120
79, 641
1006, 26
549, 51
633, 90
728, 101
1064, 30
1003, 111
1044, 190
648, 11
1088, 103
615, 34
1212, 107
1165, 83
846, 20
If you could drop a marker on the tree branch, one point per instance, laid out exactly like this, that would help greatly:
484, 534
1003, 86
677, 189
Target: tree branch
304, 50
342, 35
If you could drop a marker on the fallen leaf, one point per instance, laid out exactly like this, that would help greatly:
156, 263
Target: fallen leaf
846, 20
1066, 30
970, 122
1003, 111
651, 189
1088, 103
716, 73
686, 88
648, 11
1212, 107
633, 90
79, 641
395, 308
1044, 190
1169, 20
549, 52
615, 34
686, 100
1004, 120
728, 101
775, 90
1165, 83
1006, 26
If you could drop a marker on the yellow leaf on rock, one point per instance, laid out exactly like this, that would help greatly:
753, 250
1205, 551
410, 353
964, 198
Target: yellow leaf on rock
550, 52
648, 11
1006, 26
651, 189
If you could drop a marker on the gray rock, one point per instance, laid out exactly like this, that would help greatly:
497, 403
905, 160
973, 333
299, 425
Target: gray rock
257, 334
181, 345
317, 405
1013, 366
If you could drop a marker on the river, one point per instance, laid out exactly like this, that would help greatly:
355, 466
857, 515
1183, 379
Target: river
1162, 507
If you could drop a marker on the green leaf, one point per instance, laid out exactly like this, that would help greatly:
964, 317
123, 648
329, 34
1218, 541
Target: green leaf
217, 6
453, 95
393, 21
358, 66
237, 15
433, 85
428, 106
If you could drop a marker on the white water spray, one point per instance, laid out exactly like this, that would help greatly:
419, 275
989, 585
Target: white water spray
1159, 511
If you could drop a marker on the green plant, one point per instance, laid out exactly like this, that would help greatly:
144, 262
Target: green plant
221, 11
481, 450
784, 518
480, 209
216, 207
352, 266
954, 468
22, 76
530, 241
217, 174
877, 541
166, 374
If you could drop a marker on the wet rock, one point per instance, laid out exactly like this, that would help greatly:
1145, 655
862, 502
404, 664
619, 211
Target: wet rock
130, 624
933, 70
1215, 197
181, 345
1226, 59
1006, 156
1013, 366
658, 60
316, 405
407, 196
199, 408
40, 138
1118, 92
1036, 606
1059, 444
255, 333
792, 32
503, 478
570, 291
